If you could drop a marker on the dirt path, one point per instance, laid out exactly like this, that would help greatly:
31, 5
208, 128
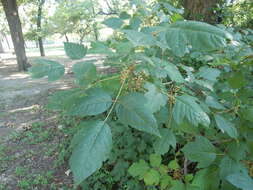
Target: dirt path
35, 155
22, 98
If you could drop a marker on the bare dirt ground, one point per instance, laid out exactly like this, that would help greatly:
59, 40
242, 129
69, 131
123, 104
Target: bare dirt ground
30, 137
21, 98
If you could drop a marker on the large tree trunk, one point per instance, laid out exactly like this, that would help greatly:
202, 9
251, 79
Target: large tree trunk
1, 47
201, 10
11, 12
40, 40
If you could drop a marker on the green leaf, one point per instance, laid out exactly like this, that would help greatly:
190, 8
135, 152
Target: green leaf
74, 50
155, 160
85, 72
241, 180
124, 15
139, 38
237, 151
186, 107
247, 113
200, 179
100, 48
93, 102
113, 22
237, 80
43, 67
162, 69
173, 73
59, 100
229, 166
135, 23
201, 151
165, 181
155, 99
124, 47
177, 185
210, 74
138, 169
162, 145
173, 165
200, 36
93, 145
226, 126
152, 177
212, 102
132, 110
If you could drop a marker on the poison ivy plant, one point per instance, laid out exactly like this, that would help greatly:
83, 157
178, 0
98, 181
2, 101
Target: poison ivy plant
180, 90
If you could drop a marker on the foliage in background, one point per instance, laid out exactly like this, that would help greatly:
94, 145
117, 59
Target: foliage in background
177, 115
239, 14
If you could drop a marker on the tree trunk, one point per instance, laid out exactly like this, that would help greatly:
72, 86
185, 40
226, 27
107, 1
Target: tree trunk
201, 10
40, 40
1, 47
11, 12
94, 26
66, 37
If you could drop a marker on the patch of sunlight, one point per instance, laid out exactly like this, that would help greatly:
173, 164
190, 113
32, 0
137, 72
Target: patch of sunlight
35, 106
17, 76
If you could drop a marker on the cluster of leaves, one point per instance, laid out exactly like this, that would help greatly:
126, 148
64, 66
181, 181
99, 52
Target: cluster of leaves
239, 14
194, 102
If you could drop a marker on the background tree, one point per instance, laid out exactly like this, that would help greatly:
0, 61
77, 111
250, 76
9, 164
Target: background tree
11, 12
39, 18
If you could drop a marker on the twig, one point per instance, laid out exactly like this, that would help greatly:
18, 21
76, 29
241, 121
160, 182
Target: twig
116, 99
185, 166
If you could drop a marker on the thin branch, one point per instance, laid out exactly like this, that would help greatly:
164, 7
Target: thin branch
116, 100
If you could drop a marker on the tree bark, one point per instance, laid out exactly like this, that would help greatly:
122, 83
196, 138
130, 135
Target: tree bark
40, 40
94, 26
66, 37
11, 12
201, 10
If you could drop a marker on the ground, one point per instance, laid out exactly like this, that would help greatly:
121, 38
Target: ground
34, 140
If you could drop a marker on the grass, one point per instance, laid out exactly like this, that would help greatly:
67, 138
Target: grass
36, 158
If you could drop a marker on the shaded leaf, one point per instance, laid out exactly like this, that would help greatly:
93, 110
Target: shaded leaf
74, 50
132, 111
113, 22
201, 151
85, 72
93, 102
43, 67
162, 145
241, 180
139, 38
93, 145
226, 126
